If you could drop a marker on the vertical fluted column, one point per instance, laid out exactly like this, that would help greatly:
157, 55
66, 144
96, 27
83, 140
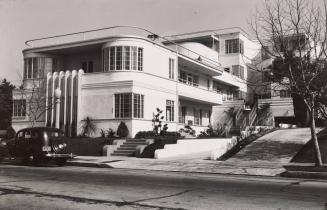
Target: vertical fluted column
66, 102
54, 86
72, 104
47, 107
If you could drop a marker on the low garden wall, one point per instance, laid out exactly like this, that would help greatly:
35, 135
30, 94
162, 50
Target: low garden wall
87, 146
196, 148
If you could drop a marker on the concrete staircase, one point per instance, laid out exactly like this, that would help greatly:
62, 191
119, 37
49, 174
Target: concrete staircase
128, 148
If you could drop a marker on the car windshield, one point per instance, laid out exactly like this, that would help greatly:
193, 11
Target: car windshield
55, 134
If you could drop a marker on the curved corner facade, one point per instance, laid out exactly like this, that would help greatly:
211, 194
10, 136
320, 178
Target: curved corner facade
122, 78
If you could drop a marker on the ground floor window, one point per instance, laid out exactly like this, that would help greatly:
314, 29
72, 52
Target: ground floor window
182, 114
19, 108
169, 110
197, 116
285, 94
138, 105
128, 105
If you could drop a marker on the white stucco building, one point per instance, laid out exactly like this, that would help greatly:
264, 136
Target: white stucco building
119, 77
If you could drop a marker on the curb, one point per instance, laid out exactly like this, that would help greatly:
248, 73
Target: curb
88, 164
305, 175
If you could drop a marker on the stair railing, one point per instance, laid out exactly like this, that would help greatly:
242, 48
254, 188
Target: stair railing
253, 115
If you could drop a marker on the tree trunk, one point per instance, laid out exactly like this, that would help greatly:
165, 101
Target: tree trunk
314, 135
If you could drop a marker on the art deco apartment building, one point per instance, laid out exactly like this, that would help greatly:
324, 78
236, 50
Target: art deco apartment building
126, 76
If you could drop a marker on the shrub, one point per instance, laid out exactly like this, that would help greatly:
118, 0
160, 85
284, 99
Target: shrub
88, 127
122, 130
188, 130
151, 134
111, 133
144, 134
103, 133
157, 123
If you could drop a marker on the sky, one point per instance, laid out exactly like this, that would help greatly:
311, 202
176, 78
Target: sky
21, 20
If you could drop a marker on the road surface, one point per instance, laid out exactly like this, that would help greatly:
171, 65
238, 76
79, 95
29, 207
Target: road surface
50, 187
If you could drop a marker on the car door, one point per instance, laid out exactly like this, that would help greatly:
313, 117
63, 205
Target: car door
22, 143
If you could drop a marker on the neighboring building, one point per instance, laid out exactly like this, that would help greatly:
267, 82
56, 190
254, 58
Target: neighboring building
277, 96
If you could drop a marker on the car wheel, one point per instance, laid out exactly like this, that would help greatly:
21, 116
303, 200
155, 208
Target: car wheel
61, 161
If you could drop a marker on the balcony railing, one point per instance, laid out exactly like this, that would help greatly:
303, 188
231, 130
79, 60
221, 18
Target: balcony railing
194, 84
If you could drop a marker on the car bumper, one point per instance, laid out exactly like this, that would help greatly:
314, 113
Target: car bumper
53, 155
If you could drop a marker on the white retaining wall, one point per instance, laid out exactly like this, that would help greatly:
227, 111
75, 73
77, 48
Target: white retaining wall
196, 148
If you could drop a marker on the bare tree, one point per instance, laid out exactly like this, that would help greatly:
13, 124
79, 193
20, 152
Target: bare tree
34, 92
293, 33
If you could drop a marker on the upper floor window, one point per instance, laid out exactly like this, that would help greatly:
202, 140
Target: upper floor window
188, 78
238, 71
33, 68
128, 105
122, 58
297, 42
19, 108
169, 110
87, 66
216, 45
285, 93
171, 68
234, 46
266, 75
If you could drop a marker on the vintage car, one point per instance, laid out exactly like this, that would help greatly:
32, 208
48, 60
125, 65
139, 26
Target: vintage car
38, 144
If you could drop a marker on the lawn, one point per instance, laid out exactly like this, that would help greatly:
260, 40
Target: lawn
307, 154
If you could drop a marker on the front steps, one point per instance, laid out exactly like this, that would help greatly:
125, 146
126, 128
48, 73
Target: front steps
128, 148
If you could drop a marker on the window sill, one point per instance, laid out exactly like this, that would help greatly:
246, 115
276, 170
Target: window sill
18, 117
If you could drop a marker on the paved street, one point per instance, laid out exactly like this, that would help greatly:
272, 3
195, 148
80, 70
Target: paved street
50, 187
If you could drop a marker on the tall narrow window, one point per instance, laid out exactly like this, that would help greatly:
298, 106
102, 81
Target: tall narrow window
112, 57
182, 114
196, 116
35, 68
105, 59
235, 70
25, 68
242, 72
195, 81
169, 110
182, 76
29, 70
217, 46
90, 67
19, 108
138, 105
171, 68
123, 105
119, 58
140, 59
55, 65
134, 58
127, 53
241, 44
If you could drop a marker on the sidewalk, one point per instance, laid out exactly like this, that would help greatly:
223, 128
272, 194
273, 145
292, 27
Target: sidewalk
270, 155
257, 168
